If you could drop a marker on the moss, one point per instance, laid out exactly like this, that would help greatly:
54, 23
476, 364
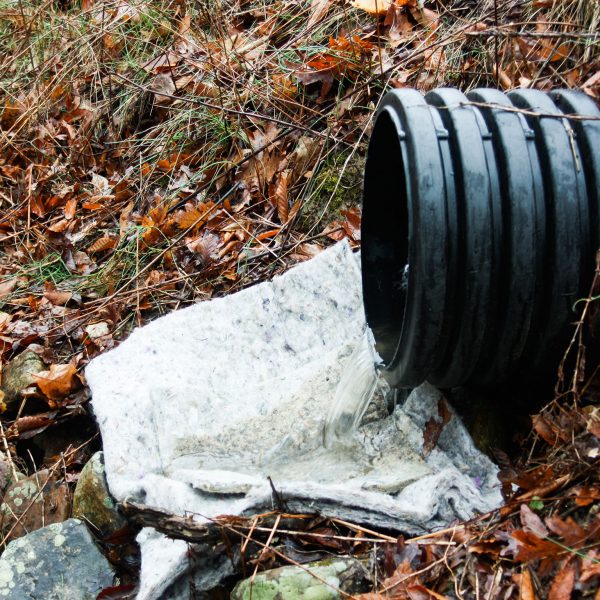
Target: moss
334, 189
260, 590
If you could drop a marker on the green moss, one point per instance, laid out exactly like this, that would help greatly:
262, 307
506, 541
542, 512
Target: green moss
260, 590
335, 188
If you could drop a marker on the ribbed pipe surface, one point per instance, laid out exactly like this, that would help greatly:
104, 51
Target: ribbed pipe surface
479, 228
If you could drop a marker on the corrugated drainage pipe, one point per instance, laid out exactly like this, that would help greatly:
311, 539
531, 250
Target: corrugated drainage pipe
479, 229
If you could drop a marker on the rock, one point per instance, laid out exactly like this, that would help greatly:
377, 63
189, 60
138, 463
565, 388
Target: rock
6, 475
92, 501
26, 509
324, 582
19, 374
58, 562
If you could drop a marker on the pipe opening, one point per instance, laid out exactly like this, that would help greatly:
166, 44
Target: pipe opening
385, 237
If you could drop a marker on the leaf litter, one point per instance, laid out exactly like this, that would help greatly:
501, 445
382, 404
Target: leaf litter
156, 154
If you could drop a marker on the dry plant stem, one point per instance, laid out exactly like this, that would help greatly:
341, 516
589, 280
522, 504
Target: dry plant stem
7, 452
232, 111
264, 549
533, 34
527, 112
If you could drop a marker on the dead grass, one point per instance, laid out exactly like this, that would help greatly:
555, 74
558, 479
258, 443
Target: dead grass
153, 154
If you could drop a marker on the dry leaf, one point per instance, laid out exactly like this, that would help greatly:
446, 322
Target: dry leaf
531, 547
318, 10
279, 196
7, 287
373, 7
526, 589
195, 216
101, 244
56, 383
57, 297
531, 522
564, 582
70, 208
434, 428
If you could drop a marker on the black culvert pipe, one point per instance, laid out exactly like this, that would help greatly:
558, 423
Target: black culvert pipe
479, 229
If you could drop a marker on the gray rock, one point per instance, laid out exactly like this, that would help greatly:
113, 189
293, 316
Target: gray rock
33, 502
19, 374
92, 501
58, 562
322, 580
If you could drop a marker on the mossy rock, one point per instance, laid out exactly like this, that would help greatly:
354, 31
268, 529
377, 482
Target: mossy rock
323, 580
92, 501
19, 374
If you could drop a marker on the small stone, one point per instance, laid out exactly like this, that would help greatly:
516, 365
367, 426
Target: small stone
92, 501
323, 580
37, 567
19, 374
25, 508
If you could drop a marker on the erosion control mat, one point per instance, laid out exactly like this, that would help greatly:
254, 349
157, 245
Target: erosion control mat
200, 407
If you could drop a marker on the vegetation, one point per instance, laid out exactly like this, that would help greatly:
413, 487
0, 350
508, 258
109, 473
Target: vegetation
153, 154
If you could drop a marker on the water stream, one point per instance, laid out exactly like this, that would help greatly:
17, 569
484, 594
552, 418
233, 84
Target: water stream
353, 394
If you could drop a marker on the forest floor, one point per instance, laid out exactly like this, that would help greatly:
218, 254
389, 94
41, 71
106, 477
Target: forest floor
157, 154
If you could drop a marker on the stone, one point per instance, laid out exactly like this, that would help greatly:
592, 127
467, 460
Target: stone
57, 562
7, 476
323, 580
92, 501
33, 502
19, 374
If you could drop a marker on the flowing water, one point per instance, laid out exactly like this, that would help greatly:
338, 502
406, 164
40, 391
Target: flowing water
353, 394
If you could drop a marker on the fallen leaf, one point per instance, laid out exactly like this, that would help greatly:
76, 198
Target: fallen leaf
57, 382
571, 533
7, 287
585, 494
280, 196
318, 9
531, 547
373, 7
101, 244
531, 522
563, 583
57, 297
434, 427
70, 208
526, 589
543, 429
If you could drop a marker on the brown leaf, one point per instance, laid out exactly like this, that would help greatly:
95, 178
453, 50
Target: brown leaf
373, 7
544, 430
57, 297
318, 9
531, 522
526, 589
280, 197
531, 547
101, 244
420, 592
434, 428
70, 208
590, 566
563, 583
7, 287
585, 494
56, 383
571, 533
195, 216
28, 423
